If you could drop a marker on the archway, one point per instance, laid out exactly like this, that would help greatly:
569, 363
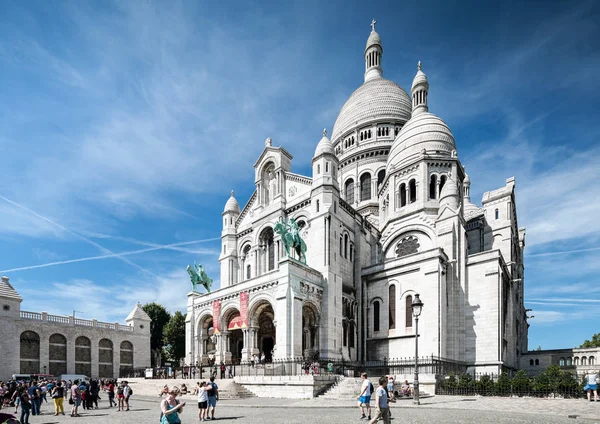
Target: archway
310, 327
234, 341
262, 329
83, 356
30, 352
125, 357
205, 347
57, 354
105, 359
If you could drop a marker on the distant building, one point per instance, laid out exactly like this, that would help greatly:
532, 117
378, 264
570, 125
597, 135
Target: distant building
387, 214
577, 359
39, 343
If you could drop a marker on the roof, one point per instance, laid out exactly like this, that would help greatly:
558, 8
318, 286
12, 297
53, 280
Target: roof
232, 204
376, 99
138, 313
7, 291
324, 146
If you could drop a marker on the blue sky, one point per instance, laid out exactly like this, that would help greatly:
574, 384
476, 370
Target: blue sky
124, 126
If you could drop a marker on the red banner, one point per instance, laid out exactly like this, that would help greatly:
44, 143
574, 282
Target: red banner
244, 308
216, 316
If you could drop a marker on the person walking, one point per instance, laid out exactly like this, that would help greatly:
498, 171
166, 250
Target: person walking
35, 398
127, 392
76, 397
213, 397
591, 380
58, 396
111, 393
383, 410
170, 407
120, 397
364, 400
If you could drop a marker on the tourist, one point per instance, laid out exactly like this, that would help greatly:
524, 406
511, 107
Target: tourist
170, 408
213, 397
390, 387
94, 393
75, 398
58, 395
222, 370
591, 380
195, 391
405, 389
120, 397
262, 358
44, 391
26, 405
383, 410
184, 389
203, 401
364, 400
35, 398
230, 371
111, 393
127, 392
164, 391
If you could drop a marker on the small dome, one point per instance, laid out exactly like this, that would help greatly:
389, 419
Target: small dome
423, 132
420, 78
324, 146
467, 180
377, 99
449, 194
232, 205
373, 40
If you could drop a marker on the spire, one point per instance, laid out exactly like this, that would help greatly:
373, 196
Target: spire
373, 53
419, 91
467, 187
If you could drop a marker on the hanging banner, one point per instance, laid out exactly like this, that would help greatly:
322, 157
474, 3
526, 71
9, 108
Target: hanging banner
216, 316
244, 297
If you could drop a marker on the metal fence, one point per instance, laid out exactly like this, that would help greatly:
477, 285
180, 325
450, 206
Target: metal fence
552, 383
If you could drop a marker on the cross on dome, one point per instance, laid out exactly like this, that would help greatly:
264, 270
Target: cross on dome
231, 193
268, 142
373, 22
324, 132
419, 66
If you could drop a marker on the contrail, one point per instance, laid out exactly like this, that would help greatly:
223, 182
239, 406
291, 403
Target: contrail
150, 244
87, 240
111, 255
564, 252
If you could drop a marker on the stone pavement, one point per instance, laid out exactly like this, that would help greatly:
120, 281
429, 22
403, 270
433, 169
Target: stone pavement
440, 409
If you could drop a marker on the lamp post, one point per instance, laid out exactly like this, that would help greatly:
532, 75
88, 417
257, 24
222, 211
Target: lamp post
417, 306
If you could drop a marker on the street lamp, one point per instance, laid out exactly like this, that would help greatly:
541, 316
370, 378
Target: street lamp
417, 306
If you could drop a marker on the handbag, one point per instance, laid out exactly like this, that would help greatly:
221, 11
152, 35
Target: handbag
71, 401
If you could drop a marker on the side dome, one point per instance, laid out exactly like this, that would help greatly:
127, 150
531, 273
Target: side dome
232, 205
377, 99
424, 131
325, 146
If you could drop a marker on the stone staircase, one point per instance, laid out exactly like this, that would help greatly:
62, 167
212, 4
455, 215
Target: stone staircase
349, 388
228, 389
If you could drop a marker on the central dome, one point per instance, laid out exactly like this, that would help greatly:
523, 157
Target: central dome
377, 99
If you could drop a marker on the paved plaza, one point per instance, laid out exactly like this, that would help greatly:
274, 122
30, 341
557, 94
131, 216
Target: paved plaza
441, 409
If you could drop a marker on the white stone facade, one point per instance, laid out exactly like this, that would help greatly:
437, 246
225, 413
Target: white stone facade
579, 360
39, 343
385, 215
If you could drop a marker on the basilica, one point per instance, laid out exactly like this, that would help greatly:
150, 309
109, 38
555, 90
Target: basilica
386, 215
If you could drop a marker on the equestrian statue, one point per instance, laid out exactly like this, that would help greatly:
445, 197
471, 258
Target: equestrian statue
290, 235
198, 277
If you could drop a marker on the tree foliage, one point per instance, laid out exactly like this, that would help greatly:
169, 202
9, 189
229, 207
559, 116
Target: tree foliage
160, 317
174, 337
595, 342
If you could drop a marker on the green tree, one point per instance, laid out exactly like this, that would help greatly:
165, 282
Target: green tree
174, 337
503, 385
595, 342
521, 383
160, 317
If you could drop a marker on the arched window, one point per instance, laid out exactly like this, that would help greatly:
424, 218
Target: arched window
349, 190
432, 186
346, 246
442, 182
58, 354
592, 360
531, 362
268, 247
318, 204
246, 261
537, 361
365, 186
380, 177
376, 315
30, 352
318, 169
83, 356
126, 356
576, 360
105, 359
584, 360
344, 334
569, 362
248, 272
351, 334
412, 188
341, 247
402, 195
326, 166
392, 301
496, 213
561, 362
409, 314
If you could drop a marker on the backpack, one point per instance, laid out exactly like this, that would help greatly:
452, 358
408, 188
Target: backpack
212, 392
371, 388
130, 391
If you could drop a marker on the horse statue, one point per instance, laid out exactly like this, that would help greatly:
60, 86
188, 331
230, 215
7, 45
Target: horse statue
199, 277
290, 235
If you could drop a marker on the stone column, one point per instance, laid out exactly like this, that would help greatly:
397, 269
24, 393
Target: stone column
226, 354
246, 351
95, 355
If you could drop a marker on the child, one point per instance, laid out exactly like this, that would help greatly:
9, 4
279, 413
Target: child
383, 411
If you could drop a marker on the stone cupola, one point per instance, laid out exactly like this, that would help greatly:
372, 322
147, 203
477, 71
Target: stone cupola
373, 53
419, 92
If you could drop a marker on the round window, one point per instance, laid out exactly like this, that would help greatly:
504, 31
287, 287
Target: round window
6, 307
142, 326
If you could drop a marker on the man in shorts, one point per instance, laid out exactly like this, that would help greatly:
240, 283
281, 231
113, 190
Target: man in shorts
364, 400
213, 397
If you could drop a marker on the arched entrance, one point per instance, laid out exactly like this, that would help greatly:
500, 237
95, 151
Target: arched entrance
30, 352
206, 346
234, 340
58, 354
310, 330
263, 329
